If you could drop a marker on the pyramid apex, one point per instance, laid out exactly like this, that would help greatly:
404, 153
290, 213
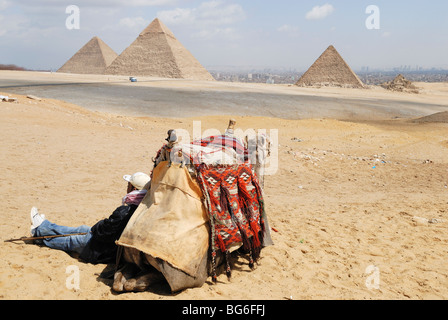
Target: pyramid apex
95, 38
331, 48
157, 26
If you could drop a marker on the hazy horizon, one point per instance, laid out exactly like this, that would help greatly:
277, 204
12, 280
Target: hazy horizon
283, 34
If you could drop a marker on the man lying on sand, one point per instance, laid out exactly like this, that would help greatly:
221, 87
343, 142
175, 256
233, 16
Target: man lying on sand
93, 244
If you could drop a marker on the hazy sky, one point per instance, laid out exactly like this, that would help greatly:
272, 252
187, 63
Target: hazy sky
259, 33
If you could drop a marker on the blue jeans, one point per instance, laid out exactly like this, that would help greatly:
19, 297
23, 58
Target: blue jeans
68, 244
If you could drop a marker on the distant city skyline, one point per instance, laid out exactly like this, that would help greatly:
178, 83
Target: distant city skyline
36, 34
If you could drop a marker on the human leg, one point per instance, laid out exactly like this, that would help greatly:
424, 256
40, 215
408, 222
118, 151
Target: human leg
40, 227
75, 243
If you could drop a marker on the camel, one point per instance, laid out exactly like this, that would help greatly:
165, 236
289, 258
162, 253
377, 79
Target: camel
194, 216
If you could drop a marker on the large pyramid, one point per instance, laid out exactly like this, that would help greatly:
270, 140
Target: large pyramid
157, 53
330, 70
93, 58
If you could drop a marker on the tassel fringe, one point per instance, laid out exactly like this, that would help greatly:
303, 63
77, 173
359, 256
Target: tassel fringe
228, 269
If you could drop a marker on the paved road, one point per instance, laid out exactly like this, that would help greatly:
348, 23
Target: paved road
186, 102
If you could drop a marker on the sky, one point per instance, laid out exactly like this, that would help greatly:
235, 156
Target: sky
289, 34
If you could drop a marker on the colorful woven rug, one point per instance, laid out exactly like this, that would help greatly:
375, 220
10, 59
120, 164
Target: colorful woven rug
235, 206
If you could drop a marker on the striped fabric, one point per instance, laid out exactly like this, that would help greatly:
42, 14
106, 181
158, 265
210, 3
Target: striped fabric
214, 150
134, 197
222, 141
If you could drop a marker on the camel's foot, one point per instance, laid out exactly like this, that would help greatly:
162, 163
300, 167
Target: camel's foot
123, 275
143, 281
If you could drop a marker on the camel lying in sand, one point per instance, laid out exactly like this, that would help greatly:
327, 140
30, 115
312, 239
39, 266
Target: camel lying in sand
198, 210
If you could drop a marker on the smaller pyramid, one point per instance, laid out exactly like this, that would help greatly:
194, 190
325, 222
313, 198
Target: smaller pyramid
157, 53
93, 58
330, 70
400, 84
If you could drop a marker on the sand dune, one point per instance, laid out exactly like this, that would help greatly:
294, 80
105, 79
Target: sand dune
437, 117
346, 196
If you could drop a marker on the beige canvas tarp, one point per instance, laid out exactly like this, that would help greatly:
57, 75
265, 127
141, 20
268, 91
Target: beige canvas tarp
171, 223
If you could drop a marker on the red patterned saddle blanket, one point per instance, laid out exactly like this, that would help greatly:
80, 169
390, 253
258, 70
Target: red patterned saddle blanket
235, 206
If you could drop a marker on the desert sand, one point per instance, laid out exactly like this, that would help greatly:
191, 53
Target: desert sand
349, 197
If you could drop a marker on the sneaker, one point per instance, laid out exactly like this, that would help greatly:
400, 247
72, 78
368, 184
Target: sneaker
36, 219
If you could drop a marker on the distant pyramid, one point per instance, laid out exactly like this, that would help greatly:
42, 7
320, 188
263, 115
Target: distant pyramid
93, 58
400, 84
157, 53
330, 70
